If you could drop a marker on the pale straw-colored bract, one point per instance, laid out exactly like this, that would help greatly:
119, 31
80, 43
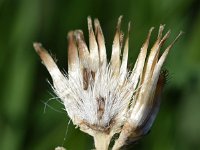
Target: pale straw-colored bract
105, 97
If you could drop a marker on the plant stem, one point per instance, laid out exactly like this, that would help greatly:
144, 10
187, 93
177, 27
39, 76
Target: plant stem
102, 141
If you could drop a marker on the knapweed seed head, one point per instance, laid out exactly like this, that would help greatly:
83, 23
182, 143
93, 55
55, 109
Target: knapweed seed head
105, 97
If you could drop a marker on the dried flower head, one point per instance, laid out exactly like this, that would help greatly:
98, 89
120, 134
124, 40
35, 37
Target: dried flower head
104, 97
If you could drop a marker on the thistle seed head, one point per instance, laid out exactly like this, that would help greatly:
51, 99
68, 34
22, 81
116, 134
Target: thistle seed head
104, 96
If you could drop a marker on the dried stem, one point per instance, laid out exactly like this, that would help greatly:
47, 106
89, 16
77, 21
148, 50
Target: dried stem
102, 141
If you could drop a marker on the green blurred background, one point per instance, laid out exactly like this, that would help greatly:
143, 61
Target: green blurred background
25, 122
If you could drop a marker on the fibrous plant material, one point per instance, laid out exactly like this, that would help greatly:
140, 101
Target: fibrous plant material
102, 97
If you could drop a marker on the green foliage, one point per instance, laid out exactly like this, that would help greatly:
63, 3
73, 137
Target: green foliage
24, 91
